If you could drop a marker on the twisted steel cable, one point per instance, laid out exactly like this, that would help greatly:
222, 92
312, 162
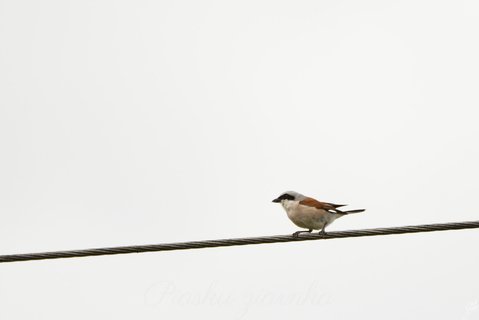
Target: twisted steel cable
237, 242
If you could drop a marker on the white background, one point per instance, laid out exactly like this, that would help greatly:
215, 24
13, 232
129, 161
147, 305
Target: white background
138, 122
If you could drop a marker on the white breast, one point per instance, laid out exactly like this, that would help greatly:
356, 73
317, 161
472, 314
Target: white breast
308, 217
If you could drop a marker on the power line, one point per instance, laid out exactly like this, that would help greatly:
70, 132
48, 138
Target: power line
237, 242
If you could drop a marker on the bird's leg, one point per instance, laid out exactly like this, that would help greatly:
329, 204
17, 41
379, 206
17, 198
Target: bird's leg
323, 231
297, 233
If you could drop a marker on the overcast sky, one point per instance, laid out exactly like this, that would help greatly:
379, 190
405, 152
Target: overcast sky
140, 122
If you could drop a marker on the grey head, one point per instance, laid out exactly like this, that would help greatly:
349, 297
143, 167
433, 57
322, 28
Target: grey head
289, 195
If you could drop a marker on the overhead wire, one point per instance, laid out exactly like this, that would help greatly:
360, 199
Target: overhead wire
237, 241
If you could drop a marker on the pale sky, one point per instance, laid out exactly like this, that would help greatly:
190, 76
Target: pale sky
143, 122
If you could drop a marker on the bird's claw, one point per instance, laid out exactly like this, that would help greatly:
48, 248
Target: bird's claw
297, 233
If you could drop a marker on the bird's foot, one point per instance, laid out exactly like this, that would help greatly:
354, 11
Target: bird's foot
297, 233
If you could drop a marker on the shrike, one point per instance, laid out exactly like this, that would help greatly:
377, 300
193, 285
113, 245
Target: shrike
309, 213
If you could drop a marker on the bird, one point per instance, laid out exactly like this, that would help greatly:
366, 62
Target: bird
309, 213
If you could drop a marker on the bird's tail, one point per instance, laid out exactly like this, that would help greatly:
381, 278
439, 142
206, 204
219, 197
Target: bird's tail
351, 211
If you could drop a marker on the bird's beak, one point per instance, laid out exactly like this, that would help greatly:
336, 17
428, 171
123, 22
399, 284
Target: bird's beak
276, 200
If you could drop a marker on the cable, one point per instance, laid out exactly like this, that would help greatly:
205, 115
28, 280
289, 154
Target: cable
237, 242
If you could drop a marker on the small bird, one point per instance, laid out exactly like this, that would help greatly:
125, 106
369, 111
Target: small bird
309, 213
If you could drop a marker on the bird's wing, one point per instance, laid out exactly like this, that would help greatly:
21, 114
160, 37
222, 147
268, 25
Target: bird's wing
336, 205
310, 202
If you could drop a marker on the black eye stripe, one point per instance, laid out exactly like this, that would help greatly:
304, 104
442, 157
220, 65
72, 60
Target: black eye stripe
286, 197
